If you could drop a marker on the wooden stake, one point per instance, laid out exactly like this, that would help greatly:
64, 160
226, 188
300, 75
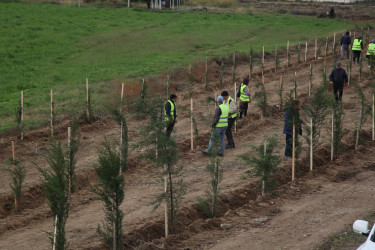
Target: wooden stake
311, 145
54, 234
332, 141
166, 207
326, 46
373, 118
263, 56
14, 166
316, 48
295, 85
88, 98
235, 100
306, 52
310, 81
265, 152
281, 82
287, 54
21, 115
121, 106
263, 79
192, 127
52, 113
293, 149
334, 41
234, 67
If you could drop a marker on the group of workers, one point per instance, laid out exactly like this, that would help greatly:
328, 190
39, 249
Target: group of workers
226, 111
223, 120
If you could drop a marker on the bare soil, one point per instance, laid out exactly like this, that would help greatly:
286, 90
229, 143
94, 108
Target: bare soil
298, 215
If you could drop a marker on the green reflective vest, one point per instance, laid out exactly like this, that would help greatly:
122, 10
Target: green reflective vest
244, 97
357, 45
371, 49
223, 120
228, 100
172, 114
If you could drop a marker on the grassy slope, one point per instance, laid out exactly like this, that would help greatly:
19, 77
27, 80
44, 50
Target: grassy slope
45, 46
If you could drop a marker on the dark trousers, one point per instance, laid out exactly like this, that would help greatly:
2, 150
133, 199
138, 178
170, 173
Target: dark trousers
243, 108
338, 91
344, 47
228, 132
170, 126
288, 146
356, 54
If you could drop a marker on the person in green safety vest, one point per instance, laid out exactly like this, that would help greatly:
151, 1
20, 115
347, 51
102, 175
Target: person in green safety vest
244, 97
219, 125
357, 48
170, 114
232, 116
370, 55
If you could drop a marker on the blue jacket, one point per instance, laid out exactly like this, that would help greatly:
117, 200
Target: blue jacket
288, 122
346, 39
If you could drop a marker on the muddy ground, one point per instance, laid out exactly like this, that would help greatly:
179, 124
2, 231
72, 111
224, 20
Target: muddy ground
298, 215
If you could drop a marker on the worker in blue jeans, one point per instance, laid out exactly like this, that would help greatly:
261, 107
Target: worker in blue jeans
219, 125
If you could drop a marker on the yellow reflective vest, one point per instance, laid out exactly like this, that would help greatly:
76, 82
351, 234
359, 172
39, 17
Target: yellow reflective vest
223, 120
244, 97
228, 100
371, 49
357, 45
172, 114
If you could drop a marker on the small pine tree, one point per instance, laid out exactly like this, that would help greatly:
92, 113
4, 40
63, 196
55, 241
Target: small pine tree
221, 74
56, 189
110, 190
338, 113
251, 62
18, 174
261, 99
18, 113
190, 78
292, 112
299, 53
124, 145
234, 68
264, 163
310, 78
365, 110
72, 151
326, 52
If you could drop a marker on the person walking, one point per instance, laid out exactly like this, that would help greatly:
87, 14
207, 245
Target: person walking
346, 40
370, 55
338, 78
232, 115
332, 12
291, 114
357, 48
244, 97
170, 114
219, 125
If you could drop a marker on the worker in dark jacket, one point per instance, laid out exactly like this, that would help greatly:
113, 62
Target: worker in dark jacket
291, 114
346, 40
338, 78
357, 48
170, 113
332, 12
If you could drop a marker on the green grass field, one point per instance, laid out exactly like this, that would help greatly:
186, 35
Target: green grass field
44, 46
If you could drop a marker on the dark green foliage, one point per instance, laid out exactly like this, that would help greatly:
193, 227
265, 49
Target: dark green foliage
212, 193
120, 118
295, 86
316, 110
261, 99
72, 151
326, 52
110, 190
221, 74
18, 174
195, 129
324, 75
264, 164
364, 111
56, 189
334, 55
293, 112
338, 112
89, 116
162, 150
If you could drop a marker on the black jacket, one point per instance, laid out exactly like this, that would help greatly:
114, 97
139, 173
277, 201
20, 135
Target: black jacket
346, 39
338, 77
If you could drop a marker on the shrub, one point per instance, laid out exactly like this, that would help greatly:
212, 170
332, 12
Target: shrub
261, 99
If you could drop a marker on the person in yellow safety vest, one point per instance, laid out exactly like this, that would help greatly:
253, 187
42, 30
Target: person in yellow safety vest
244, 97
357, 48
170, 114
232, 116
370, 55
219, 125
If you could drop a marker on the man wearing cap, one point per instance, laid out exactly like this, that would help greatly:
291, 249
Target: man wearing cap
232, 115
357, 48
345, 42
338, 78
244, 97
219, 125
371, 54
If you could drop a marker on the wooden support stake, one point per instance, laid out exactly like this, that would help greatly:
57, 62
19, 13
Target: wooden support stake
263, 56
281, 99
287, 54
192, 125
316, 48
14, 166
310, 80
265, 152
88, 98
311, 145
52, 118
121, 106
306, 52
295, 85
293, 149
54, 234
21, 115
235, 100
234, 68
373, 118
263, 79
332, 141
166, 219
334, 42
326, 47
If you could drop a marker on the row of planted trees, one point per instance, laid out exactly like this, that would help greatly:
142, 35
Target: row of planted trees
59, 179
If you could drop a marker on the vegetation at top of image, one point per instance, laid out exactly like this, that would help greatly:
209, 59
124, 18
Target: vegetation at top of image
46, 46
